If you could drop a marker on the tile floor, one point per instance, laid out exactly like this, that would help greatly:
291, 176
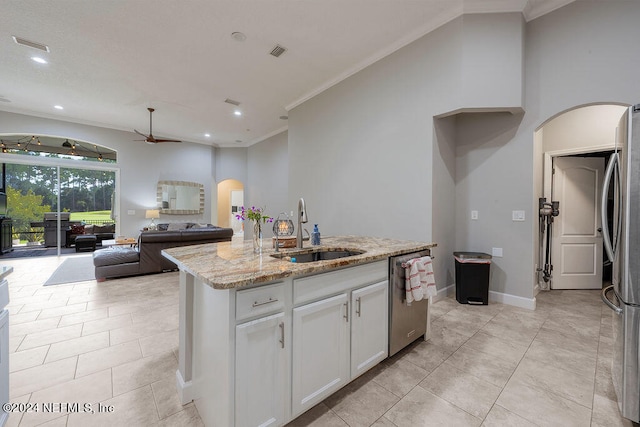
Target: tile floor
116, 343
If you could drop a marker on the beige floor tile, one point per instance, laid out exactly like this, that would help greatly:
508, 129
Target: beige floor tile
15, 341
27, 359
41, 377
51, 336
318, 416
58, 422
133, 409
576, 324
513, 327
383, 422
606, 414
34, 327
488, 367
422, 408
580, 363
445, 337
188, 417
85, 316
399, 376
140, 330
132, 375
76, 346
442, 307
166, 397
42, 305
500, 417
86, 392
425, 354
16, 417
462, 389
109, 357
159, 343
361, 402
17, 319
61, 311
495, 346
107, 324
568, 341
556, 380
541, 407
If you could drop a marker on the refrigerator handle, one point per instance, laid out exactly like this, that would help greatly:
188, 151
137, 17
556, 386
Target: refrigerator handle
606, 237
606, 300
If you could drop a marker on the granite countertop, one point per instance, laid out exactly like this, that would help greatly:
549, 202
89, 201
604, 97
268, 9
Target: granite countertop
228, 265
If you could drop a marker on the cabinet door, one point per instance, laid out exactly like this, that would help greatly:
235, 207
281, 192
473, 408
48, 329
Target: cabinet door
261, 372
369, 327
320, 351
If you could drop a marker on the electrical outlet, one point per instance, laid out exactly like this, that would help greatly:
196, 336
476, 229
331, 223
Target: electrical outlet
474, 215
517, 215
496, 252
131, 212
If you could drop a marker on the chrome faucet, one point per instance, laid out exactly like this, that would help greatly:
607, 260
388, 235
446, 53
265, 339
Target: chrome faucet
302, 218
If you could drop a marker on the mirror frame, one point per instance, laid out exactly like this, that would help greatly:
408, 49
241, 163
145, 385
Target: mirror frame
180, 211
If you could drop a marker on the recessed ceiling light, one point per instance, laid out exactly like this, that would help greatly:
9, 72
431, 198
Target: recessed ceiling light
58, 107
238, 36
39, 60
237, 112
207, 135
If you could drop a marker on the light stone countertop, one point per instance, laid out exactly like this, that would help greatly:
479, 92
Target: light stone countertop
228, 265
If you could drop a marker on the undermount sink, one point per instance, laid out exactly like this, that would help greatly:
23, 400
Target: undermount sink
320, 254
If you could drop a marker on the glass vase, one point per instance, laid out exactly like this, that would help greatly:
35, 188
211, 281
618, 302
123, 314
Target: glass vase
257, 237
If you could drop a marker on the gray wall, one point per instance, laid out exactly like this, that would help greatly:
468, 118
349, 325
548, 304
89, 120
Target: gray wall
267, 178
141, 165
363, 153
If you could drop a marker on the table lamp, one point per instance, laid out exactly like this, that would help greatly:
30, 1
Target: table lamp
152, 214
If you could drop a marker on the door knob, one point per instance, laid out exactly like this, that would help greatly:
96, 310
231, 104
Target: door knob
599, 229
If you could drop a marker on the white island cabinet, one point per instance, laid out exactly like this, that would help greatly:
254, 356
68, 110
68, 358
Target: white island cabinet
262, 340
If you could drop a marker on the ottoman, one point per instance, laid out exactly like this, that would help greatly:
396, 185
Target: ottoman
85, 242
116, 261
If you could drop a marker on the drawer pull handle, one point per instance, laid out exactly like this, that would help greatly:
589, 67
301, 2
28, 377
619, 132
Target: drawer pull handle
346, 311
358, 302
258, 304
282, 333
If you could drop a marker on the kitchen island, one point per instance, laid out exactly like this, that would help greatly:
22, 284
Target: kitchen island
263, 339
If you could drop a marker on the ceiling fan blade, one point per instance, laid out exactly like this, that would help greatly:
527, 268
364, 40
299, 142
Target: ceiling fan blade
140, 133
166, 140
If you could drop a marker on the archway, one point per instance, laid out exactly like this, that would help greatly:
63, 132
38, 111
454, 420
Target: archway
584, 131
230, 198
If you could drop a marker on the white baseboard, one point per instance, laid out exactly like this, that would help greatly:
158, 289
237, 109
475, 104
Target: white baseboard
528, 303
185, 389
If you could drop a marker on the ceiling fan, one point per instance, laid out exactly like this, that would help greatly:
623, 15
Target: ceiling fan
150, 139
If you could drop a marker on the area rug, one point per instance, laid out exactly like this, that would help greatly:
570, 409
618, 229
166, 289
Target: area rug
73, 269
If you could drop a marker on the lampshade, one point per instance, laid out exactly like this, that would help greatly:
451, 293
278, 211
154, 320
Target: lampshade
152, 214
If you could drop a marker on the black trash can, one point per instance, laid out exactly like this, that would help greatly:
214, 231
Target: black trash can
472, 277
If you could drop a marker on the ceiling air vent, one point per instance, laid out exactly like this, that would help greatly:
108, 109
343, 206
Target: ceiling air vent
232, 102
28, 43
278, 50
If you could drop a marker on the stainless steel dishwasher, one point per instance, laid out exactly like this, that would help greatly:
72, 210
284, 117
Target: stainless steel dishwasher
406, 323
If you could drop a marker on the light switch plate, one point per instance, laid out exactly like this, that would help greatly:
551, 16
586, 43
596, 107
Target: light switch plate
474, 214
517, 215
496, 252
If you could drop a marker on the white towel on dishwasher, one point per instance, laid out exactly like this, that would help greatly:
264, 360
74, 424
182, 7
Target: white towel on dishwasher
419, 279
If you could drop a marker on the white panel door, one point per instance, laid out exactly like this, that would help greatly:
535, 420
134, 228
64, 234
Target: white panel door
320, 351
577, 238
369, 327
261, 372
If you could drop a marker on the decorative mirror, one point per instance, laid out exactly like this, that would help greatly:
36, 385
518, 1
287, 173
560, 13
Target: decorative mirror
180, 197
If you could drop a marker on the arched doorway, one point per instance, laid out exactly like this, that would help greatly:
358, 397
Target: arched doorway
583, 134
230, 198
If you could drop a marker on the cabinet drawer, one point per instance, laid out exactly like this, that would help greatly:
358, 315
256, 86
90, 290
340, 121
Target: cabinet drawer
258, 301
325, 284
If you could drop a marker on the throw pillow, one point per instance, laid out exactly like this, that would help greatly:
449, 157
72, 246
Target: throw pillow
77, 229
175, 226
88, 229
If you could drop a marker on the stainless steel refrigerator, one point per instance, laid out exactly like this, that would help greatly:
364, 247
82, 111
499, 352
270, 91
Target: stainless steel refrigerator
621, 232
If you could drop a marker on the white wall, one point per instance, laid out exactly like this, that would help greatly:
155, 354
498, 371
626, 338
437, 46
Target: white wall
267, 178
141, 165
